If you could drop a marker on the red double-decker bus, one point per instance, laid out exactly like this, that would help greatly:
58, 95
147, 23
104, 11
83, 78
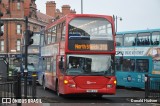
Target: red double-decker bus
78, 56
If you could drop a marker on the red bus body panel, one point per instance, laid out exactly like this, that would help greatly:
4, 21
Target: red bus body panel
84, 84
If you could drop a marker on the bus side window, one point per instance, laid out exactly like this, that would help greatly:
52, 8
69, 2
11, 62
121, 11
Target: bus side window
128, 65
143, 39
63, 31
45, 64
119, 40
59, 32
132, 65
48, 64
54, 65
155, 38
142, 65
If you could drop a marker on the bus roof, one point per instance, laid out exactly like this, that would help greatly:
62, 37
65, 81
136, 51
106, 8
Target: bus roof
137, 31
74, 15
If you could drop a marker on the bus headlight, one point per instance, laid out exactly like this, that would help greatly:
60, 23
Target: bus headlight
115, 82
109, 86
72, 85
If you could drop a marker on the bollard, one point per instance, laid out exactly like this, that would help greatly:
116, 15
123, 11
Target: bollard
15, 85
25, 84
18, 87
146, 86
34, 77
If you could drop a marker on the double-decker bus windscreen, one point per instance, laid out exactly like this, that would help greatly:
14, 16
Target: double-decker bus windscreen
90, 34
89, 65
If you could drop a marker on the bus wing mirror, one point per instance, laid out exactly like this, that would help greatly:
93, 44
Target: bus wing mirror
60, 65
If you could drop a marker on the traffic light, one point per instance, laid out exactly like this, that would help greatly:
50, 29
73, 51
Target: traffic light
1, 24
29, 39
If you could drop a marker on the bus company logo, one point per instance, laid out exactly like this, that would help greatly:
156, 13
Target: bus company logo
129, 78
89, 82
6, 100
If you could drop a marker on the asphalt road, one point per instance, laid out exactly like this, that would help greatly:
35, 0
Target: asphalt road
123, 97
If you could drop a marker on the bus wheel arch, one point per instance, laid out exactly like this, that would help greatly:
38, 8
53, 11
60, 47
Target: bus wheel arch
57, 88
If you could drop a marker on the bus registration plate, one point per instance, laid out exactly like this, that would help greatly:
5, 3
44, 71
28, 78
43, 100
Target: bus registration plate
91, 91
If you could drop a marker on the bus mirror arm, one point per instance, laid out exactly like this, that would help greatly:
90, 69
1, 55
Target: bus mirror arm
121, 60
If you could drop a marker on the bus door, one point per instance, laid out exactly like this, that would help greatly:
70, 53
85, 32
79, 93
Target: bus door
143, 66
60, 70
53, 71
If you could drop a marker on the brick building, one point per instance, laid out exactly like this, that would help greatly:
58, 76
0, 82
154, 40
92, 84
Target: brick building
14, 13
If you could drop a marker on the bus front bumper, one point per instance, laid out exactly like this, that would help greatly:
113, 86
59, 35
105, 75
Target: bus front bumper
76, 90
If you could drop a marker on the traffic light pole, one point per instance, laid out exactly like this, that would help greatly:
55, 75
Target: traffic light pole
26, 60
1, 23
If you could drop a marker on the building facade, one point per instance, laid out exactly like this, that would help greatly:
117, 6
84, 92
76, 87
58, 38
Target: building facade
14, 13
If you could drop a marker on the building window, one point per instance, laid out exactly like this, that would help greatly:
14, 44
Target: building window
2, 45
18, 29
18, 45
34, 29
18, 6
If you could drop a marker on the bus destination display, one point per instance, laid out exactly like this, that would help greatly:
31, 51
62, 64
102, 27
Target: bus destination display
91, 47
88, 45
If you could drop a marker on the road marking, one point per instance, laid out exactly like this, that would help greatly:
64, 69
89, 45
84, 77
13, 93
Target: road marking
107, 103
155, 104
92, 103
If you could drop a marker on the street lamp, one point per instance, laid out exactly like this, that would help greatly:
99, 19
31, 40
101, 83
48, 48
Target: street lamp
81, 6
115, 20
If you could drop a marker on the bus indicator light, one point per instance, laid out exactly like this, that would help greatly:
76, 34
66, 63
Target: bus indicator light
65, 81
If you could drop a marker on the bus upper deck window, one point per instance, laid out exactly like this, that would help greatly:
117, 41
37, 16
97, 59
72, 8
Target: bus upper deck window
155, 38
129, 39
143, 39
119, 40
90, 29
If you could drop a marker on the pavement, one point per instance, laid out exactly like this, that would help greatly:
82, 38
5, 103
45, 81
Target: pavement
84, 104
25, 104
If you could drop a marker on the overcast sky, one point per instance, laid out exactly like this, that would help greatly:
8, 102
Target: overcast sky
136, 14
